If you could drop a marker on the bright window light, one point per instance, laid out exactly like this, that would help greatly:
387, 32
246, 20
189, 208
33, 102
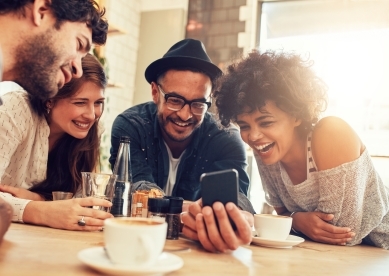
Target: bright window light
349, 43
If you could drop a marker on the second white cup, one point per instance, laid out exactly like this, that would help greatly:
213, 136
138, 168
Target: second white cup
272, 227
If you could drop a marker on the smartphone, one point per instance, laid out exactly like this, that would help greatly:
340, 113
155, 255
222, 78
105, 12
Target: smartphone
220, 186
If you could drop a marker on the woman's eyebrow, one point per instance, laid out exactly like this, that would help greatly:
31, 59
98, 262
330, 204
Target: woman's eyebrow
260, 118
83, 99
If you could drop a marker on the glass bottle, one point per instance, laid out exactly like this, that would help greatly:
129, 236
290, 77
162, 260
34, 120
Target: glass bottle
121, 205
173, 217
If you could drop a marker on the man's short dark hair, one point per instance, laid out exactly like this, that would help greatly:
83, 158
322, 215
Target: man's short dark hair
87, 11
162, 74
7, 6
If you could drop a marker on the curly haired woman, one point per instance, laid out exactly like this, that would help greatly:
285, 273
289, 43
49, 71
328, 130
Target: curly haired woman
317, 171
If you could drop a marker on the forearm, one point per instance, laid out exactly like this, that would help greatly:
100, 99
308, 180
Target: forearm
34, 213
17, 204
5, 217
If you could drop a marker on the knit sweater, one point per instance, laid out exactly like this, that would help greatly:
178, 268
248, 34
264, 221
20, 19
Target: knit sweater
353, 192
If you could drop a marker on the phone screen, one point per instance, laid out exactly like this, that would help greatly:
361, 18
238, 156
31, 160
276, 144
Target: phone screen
220, 186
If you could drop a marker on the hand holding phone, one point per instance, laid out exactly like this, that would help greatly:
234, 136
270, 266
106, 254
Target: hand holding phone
220, 186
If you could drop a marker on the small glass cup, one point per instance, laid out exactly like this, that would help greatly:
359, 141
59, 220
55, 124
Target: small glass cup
58, 195
98, 185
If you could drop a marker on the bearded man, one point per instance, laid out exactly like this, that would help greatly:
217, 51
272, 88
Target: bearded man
43, 41
174, 139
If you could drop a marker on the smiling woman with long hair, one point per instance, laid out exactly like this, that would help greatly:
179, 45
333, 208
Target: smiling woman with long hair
69, 155
47, 145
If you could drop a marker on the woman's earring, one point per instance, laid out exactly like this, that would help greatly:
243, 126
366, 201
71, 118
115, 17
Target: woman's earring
48, 109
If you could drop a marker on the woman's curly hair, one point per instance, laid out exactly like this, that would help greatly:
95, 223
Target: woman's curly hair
286, 79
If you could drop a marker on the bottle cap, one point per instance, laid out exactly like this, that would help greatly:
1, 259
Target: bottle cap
124, 139
158, 205
175, 204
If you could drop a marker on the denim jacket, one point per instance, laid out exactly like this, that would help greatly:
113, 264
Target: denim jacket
212, 149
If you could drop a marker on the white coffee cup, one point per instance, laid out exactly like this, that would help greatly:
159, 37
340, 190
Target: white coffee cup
272, 227
134, 241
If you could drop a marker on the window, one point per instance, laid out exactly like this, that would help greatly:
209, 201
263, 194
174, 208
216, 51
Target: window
349, 42
7, 86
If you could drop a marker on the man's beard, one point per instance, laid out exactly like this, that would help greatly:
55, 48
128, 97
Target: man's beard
163, 122
37, 66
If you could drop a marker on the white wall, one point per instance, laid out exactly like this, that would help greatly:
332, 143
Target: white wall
7, 86
155, 40
121, 51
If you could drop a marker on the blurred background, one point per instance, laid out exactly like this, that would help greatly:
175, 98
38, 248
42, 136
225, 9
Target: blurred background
347, 39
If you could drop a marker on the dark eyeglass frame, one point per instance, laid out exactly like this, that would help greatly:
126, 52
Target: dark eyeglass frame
186, 102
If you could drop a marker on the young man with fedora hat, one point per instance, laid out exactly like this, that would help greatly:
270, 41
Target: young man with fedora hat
174, 140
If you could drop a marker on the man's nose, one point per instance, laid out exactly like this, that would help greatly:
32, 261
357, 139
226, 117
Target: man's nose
76, 67
185, 113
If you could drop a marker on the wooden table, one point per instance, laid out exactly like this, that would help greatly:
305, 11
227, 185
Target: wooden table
33, 250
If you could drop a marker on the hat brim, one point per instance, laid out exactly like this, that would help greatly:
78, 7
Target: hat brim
164, 64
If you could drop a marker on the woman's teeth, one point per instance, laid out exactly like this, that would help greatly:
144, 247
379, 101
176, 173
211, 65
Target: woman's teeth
265, 147
81, 124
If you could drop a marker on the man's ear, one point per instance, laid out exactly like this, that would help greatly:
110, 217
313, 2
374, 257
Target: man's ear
155, 92
40, 9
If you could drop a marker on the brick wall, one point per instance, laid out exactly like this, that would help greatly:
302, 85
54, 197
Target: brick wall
216, 23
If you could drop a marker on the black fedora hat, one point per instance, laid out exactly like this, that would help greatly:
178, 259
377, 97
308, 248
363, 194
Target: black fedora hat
187, 53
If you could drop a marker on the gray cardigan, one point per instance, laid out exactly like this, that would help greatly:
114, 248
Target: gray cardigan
352, 192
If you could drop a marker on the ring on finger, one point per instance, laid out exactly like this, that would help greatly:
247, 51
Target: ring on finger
182, 213
81, 221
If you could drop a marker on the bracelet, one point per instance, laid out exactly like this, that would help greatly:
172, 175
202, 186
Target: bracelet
294, 231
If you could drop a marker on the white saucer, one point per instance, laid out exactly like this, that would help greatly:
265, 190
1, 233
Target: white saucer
96, 258
288, 243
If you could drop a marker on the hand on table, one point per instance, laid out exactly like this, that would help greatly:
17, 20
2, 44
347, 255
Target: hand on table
316, 226
200, 224
21, 193
5, 217
64, 214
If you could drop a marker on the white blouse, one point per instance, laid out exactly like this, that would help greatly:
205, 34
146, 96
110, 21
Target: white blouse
24, 147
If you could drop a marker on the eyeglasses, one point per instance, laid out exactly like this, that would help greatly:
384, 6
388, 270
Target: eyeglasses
177, 102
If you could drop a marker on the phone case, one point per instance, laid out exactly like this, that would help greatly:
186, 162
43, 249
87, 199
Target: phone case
220, 186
